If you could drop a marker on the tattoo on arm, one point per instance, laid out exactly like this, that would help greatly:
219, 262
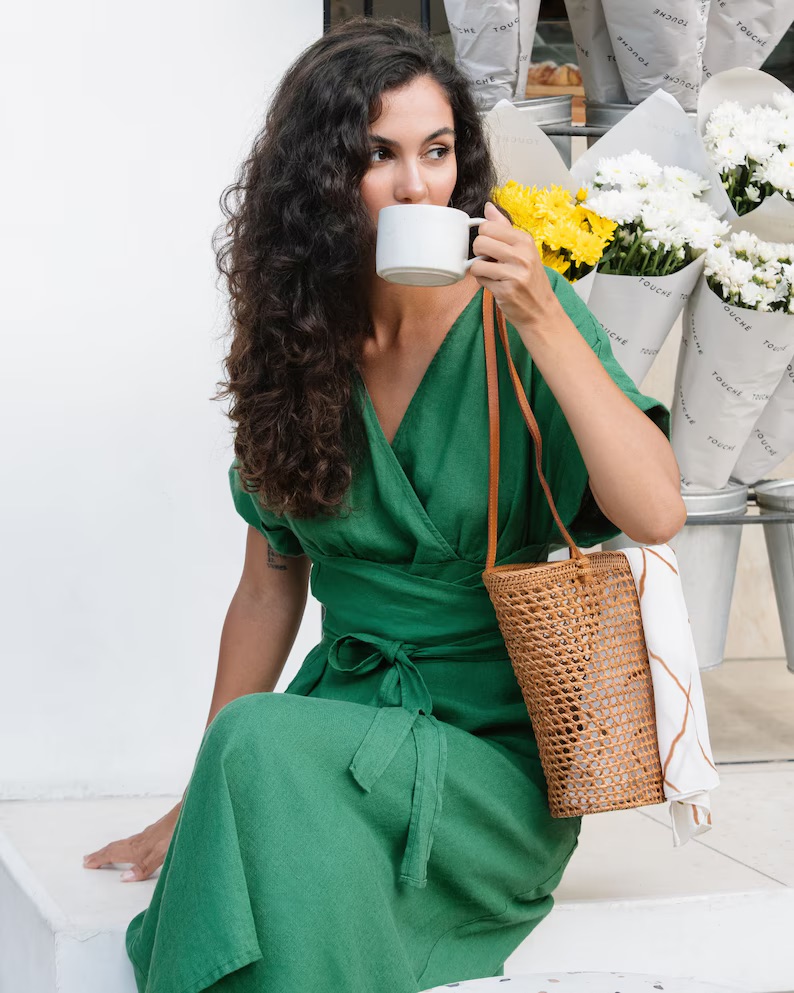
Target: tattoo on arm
275, 560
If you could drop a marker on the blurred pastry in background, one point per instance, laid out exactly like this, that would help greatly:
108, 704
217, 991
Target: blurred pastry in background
551, 74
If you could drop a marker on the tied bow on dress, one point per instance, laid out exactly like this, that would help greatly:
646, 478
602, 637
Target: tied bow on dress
404, 707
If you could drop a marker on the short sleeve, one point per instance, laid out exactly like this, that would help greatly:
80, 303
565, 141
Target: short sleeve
563, 464
276, 529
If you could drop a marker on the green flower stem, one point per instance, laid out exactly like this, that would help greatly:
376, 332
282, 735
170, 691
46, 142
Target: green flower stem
651, 262
629, 257
671, 264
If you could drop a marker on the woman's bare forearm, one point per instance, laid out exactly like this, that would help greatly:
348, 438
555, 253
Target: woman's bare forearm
256, 639
633, 472
257, 636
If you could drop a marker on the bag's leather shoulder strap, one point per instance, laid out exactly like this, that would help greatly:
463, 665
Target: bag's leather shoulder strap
488, 307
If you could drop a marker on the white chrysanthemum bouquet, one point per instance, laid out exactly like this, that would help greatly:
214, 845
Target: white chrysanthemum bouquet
770, 289
751, 273
663, 224
733, 397
746, 124
654, 259
753, 149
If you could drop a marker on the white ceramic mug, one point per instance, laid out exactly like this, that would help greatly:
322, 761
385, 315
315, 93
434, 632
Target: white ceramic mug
422, 244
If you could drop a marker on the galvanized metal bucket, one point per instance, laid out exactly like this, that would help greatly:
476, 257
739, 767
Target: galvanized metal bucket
550, 110
774, 496
707, 558
606, 115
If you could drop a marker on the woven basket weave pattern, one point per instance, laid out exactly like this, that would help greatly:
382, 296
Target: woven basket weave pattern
579, 654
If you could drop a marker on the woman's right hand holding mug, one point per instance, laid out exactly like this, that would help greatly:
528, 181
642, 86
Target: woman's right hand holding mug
145, 850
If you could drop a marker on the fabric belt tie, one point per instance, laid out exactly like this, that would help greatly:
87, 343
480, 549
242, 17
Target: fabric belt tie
405, 707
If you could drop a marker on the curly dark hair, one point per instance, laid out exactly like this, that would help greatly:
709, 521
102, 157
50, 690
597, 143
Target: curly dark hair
300, 252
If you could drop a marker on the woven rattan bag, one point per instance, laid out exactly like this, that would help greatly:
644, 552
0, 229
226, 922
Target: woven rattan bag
574, 633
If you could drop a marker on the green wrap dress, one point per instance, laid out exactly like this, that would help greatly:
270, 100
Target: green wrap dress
382, 826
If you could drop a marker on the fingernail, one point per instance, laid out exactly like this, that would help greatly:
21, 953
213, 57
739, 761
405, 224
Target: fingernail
127, 876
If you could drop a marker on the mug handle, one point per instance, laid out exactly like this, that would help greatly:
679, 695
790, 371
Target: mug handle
473, 222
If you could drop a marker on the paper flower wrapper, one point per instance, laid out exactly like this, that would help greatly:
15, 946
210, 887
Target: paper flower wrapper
659, 47
622, 303
493, 45
730, 363
600, 73
770, 414
772, 437
584, 286
744, 33
522, 152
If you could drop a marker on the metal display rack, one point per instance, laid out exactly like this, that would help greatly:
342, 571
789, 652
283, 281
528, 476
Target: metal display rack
573, 130
777, 517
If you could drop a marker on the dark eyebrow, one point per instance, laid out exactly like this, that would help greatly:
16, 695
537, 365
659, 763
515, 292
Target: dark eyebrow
395, 144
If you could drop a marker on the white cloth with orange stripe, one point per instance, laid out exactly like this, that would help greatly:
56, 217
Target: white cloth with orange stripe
684, 748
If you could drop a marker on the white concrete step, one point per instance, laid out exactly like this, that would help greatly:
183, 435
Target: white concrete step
720, 909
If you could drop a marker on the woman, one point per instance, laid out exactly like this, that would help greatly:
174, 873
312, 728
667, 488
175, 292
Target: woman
311, 850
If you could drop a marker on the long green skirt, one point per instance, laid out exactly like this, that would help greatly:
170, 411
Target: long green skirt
289, 871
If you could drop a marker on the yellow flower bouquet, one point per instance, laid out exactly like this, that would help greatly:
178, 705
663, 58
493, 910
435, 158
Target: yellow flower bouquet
571, 239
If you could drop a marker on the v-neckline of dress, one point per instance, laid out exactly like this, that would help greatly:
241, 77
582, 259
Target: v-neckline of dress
369, 405
397, 469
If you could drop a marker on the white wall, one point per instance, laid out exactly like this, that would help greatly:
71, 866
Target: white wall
120, 548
